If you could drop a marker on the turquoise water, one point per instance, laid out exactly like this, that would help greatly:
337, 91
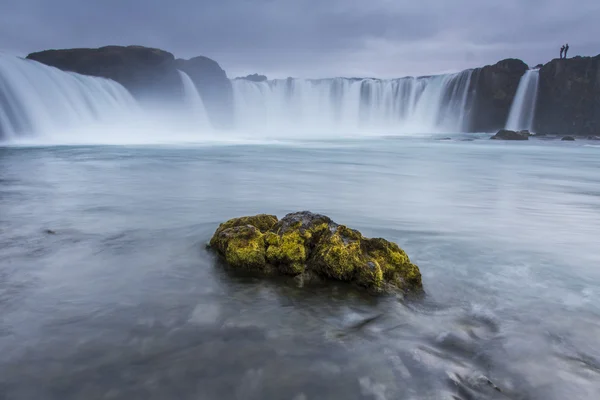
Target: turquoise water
124, 302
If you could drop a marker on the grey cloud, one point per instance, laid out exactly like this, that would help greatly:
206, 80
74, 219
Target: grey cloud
313, 37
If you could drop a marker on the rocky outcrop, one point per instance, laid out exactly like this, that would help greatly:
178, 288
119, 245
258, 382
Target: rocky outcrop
254, 78
495, 87
143, 71
307, 245
569, 97
149, 73
214, 87
505, 134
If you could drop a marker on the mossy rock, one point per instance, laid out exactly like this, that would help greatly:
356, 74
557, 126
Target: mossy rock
308, 243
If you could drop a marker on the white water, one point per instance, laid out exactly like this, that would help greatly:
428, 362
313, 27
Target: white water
522, 110
408, 105
194, 101
44, 104
36, 99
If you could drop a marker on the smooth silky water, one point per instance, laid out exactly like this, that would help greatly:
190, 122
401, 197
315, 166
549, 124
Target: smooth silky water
107, 290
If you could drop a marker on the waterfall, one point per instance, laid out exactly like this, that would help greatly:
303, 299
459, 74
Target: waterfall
193, 100
35, 98
38, 101
522, 110
416, 105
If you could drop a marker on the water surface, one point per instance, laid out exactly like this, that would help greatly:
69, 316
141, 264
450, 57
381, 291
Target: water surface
124, 301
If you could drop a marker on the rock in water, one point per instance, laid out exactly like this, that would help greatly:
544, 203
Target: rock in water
505, 134
304, 243
568, 139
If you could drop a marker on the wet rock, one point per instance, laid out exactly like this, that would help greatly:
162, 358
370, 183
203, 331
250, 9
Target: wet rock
308, 245
505, 134
568, 139
49, 232
525, 132
593, 137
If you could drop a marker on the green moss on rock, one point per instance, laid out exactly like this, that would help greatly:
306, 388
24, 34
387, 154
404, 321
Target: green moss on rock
242, 247
287, 252
306, 243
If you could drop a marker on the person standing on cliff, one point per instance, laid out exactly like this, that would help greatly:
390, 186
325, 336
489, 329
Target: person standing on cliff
566, 49
562, 49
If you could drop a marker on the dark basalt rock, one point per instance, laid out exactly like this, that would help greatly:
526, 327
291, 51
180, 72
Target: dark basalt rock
308, 246
568, 139
495, 87
254, 78
569, 97
505, 134
142, 70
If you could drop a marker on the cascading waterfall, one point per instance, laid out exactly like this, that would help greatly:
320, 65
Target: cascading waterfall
522, 110
194, 102
417, 105
42, 102
37, 99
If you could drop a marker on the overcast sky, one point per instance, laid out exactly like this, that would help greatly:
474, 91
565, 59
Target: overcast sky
314, 38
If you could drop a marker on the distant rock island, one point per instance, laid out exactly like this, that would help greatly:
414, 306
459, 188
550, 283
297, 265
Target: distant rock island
254, 78
568, 95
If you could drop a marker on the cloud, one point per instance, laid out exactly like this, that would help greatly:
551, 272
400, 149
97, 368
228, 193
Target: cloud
314, 38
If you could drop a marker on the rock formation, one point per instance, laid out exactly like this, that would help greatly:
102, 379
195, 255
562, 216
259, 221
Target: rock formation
495, 87
143, 71
505, 134
569, 97
254, 78
309, 245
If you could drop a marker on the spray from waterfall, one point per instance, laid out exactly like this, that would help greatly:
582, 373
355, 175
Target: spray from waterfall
522, 110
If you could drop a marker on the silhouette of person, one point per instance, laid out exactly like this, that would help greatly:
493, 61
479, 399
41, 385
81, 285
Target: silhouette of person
562, 49
566, 49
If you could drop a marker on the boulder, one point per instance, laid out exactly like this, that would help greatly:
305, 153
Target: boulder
495, 87
304, 244
593, 137
568, 139
505, 134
